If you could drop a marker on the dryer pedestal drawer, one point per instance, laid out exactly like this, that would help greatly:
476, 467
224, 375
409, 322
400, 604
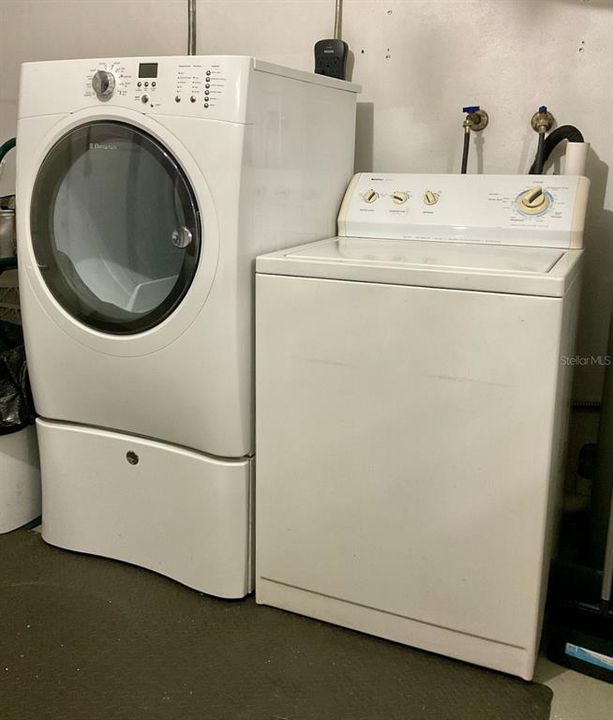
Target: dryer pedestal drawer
165, 508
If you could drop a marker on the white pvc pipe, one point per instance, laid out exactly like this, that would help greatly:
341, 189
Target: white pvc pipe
575, 158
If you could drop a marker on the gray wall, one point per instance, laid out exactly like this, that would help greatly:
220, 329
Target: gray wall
419, 62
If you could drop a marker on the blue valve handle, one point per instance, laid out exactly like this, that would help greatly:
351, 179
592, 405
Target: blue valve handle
471, 109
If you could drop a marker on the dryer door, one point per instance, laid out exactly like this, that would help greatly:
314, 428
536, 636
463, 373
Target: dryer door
115, 227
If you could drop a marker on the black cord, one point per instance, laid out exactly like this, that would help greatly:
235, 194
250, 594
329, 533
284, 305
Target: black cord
465, 152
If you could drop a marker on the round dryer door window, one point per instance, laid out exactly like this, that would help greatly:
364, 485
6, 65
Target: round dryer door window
115, 227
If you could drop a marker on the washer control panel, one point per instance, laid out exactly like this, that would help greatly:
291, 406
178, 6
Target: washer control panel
546, 210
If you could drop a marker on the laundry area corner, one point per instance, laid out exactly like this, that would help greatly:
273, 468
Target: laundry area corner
306, 391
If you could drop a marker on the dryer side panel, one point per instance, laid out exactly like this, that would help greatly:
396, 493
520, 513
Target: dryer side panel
299, 159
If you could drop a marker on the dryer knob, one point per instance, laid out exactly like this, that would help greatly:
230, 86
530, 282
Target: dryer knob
103, 83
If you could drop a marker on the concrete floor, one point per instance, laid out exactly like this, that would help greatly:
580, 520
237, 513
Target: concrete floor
575, 696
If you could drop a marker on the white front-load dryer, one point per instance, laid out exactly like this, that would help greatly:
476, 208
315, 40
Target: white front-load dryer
145, 189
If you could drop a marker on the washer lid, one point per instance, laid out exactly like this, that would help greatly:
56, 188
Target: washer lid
449, 255
465, 266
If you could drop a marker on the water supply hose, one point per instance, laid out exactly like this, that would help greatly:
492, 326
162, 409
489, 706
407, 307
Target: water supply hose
465, 151
5, 147
475, 120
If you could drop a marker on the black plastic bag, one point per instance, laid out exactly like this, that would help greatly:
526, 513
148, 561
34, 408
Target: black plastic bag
16, 405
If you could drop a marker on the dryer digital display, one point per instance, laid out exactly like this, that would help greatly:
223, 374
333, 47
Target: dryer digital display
148, 70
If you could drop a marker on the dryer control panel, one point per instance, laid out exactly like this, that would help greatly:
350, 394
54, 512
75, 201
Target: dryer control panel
535, 210
204, 86
199, 82
195, 83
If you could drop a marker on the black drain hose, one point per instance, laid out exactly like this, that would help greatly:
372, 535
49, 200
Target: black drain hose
565, 132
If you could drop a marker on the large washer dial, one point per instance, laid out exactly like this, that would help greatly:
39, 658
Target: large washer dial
534, 201
103, 84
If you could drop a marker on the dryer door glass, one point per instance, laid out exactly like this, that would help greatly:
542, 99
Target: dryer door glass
115, 227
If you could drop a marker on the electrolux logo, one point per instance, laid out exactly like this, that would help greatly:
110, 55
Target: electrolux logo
102, 146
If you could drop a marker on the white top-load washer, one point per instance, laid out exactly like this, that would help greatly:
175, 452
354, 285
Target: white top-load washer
412, 385
146, 186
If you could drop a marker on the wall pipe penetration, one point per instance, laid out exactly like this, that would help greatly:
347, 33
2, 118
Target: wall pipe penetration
338, 20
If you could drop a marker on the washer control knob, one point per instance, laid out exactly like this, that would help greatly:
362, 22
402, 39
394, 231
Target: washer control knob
103, 84
370, 196
534, 201
430, 198
399, 197
144, 99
